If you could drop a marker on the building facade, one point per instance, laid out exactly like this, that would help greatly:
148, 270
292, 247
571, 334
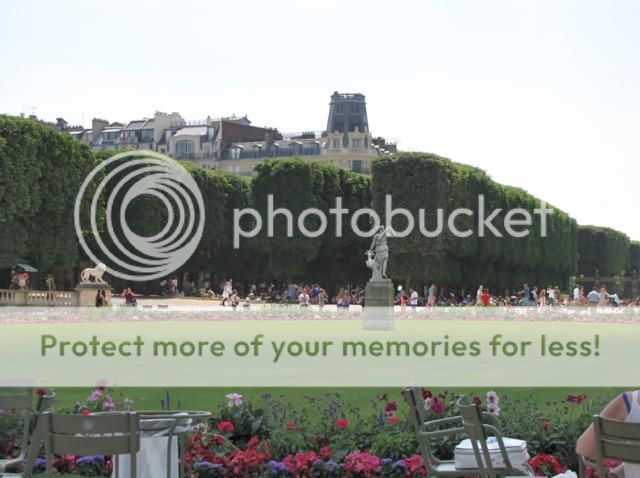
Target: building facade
234, 145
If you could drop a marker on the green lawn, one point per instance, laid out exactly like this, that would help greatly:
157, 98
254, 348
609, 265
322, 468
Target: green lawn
212, 398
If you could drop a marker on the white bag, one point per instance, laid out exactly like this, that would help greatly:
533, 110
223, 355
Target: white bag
464, 457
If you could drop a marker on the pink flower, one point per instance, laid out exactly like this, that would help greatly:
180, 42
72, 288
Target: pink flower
437, 405
363, 463
235, 399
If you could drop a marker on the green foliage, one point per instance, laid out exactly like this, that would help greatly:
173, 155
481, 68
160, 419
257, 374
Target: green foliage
602, 249
41, 171
40, 174
298, 185
395, 444
429, 182
634, 257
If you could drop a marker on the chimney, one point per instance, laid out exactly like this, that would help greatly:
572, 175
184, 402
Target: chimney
97, 125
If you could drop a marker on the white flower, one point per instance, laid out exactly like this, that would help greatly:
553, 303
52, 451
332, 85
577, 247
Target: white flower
493, 409
235, 399
492, 397
427, 404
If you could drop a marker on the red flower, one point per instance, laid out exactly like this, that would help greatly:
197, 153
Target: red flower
476, 400
86, 413
291, 426
577, 399
41, 392
391, 407
426, 394
218, 439
394, 421
342, 423
325, 453
225, 427
544, 464
546, 425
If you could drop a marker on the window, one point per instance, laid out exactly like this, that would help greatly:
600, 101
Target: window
184, 148
356, 143
296, 149
335, 143
234, 152
356, 165
147, 135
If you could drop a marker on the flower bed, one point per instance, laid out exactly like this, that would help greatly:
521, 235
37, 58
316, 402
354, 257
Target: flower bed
327, 437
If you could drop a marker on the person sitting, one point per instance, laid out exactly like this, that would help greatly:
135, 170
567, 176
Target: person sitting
129, 297
625, 407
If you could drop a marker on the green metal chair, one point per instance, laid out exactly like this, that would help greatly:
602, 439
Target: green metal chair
615, 440
477, 431
428, 430
20, 399
109, 434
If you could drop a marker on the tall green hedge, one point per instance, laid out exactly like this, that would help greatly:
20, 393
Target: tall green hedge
634, 257
40, 174
298, 185
418, 180
603, 250
41, 171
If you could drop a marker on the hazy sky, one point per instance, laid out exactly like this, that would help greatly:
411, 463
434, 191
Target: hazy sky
544, 95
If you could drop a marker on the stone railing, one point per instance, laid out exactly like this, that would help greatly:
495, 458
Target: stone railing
15, 297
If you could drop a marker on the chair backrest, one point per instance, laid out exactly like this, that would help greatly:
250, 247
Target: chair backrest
477, 431
115, 433
616, 440
426, 430
19, 399
44, 404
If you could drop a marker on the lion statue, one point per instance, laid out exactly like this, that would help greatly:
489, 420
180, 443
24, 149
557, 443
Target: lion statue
95, 273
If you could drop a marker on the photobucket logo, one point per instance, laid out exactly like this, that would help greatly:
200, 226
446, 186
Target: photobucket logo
516, 222
124, 178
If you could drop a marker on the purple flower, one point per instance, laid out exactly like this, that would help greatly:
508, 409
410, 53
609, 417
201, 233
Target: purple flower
207, 465
95, 395
276, 467
400, 464
90, 460
493, 409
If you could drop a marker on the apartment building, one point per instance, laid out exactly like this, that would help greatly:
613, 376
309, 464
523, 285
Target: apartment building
233, 144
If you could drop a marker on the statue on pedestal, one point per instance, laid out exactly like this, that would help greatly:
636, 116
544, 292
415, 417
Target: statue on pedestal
96, 273
378, 254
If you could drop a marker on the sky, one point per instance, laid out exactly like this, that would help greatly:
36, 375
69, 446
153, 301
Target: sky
541, 94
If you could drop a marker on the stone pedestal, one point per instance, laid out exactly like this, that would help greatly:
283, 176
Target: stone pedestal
378, 310
86, 293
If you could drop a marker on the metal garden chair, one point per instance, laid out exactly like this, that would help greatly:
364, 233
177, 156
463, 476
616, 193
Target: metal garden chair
477, 431
107, 434
615, 440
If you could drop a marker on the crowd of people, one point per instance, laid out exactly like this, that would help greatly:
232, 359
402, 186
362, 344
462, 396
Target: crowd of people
307, 294
286, 293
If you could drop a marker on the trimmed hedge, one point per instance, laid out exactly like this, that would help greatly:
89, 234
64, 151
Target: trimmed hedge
602, 249
419, 180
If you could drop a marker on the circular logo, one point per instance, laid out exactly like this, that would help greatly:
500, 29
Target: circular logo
124, 178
